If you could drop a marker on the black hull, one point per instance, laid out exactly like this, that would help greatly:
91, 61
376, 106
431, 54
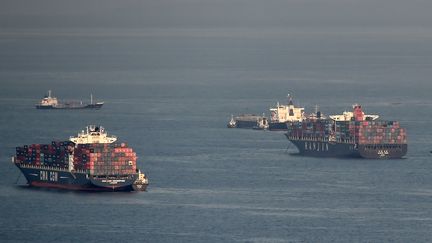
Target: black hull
278, 126
383, 151
349, 150
326, 149
49, 177
246, 124
69, 107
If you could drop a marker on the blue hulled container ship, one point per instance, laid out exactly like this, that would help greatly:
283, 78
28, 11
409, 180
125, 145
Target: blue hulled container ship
91, 161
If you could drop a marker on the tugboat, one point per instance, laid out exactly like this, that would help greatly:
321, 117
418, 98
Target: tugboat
49, 102
90, 161
231, 123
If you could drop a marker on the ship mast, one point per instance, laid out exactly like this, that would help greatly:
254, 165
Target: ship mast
290, 102
91, 99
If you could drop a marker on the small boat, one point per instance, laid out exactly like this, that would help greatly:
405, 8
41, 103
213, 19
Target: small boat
231, 123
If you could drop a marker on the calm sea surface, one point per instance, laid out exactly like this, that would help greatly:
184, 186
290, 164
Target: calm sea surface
170, 92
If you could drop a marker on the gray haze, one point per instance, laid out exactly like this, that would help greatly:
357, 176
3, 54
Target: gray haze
214, 13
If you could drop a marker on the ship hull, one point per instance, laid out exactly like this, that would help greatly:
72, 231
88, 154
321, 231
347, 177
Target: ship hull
326, 149
383, 151
70, 107
350, 150
245, 124
278, 126
49, 177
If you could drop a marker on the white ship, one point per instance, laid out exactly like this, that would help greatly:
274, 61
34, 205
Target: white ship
281, 114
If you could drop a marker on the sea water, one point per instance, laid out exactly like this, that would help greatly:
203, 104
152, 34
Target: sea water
169, 94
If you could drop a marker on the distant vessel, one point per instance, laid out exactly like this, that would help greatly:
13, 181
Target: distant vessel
231, 123
352, 134
49, 102
282, 114
248, 121
90, 161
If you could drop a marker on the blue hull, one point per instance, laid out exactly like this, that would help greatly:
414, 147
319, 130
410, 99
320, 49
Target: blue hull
50, 177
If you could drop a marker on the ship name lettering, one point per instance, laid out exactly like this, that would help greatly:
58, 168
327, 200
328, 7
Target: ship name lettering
43, 175
316, 146
53, 175
48, 175
383, 152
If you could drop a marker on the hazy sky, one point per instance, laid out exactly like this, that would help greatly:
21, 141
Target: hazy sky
214, 13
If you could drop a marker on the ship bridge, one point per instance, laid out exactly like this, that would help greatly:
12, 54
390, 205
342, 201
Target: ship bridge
287, 113
357, 115
93, 134
48, 100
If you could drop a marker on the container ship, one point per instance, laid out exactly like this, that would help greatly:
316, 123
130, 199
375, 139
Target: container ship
248, 121
281, 115
91, 161
352, 134
49, 102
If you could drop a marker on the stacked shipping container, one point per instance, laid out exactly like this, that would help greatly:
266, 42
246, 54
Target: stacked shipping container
312, 129
378, 132
362, 132
55, 154
97, 158
105, 159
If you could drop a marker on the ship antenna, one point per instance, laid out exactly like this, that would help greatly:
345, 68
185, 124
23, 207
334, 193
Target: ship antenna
290, 102
49, 93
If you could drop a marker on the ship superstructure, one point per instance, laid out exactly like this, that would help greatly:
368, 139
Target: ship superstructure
349, 115
89, 161
280, 115
358, 136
